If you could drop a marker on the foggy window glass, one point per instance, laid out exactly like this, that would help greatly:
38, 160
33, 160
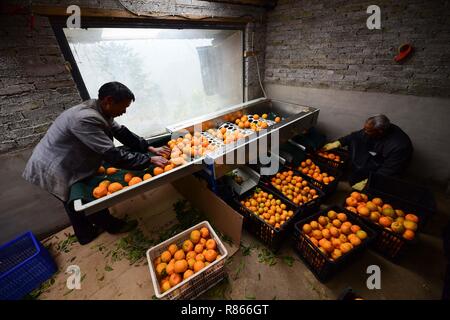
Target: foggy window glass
175, 75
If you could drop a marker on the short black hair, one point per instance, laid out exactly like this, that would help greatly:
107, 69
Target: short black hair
118, 91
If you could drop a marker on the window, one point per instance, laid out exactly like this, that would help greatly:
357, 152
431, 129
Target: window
174, 74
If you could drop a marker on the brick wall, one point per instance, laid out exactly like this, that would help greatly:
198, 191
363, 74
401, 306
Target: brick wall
35, 86
327, 45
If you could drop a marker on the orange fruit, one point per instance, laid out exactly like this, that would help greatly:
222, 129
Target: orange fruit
111, 170
134, 180
174, 279
180, 266
408, 234
356, 195
172, 248
385, 221
106, 183
202, 241
188, 246
361, 234
157, 261
412, 217
168, 167
165, 286
198, 248
191, 263
179, 255
277, 119
350, 201
211, 244
204, 232
115, 186
147, 176
355, 228
342, 217
166, 256
198, 265
200, 257
170, 268
210, 255
188, 274
127, 177
377, 201
191, 255
161, 269
157, 171
101, 170
363, 211
264, 116
100, 191
195, 236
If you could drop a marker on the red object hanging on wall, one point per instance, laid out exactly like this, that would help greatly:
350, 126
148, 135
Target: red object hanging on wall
403, 52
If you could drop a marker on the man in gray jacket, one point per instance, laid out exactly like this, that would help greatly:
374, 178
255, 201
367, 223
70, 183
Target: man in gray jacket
75, 146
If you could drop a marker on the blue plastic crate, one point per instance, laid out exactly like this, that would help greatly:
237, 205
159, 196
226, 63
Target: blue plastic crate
24, 265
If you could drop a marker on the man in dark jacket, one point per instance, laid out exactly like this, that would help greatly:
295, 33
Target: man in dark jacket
379, 147
75, 146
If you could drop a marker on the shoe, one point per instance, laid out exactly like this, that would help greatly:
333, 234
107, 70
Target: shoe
116, 226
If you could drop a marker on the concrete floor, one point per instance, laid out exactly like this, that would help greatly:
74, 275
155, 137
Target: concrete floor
418, 274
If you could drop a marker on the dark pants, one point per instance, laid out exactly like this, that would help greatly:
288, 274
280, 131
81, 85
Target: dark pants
87, 227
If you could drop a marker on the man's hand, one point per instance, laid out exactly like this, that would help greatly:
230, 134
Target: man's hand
159, 161
331, 145
161, 151
360, 185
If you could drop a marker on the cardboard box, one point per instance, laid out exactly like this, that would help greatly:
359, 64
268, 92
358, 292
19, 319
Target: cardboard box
220, 214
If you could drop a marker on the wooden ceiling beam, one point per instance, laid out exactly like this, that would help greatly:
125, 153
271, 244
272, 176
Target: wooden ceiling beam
59, 11
256, 3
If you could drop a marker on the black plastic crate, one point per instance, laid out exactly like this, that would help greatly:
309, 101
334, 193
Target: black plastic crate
341, 165
306, 208
326, 188
269, 235
387, 242
418, 197
319, 264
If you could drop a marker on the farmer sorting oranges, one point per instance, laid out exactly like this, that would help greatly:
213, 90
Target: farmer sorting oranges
75, 146
380, 147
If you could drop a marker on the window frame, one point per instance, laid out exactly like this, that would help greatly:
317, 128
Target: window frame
59, 23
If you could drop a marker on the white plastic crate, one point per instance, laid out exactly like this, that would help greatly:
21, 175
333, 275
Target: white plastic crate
199, 282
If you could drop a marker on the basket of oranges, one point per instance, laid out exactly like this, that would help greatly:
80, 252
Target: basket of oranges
296, 189
328, 239
320, 175
188, 264
395, 221
266, 215
336, 158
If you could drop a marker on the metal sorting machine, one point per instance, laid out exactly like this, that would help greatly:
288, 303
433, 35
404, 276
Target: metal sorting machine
255, 146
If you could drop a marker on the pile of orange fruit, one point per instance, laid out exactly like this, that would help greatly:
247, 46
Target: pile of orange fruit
329, 155
309, 168
334, 235
269, 208
225, 135
177, 264
294, 187
244, 123
107, 187
383, 214
189, 146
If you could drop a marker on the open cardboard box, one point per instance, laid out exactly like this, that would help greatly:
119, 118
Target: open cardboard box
220, 214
